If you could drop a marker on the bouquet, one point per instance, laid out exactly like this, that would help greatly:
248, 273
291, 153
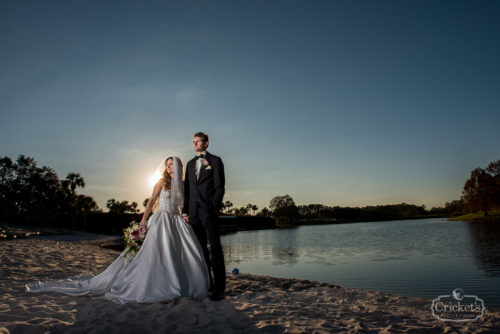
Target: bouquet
134, 237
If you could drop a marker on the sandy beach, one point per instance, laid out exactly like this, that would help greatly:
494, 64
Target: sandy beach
254, 304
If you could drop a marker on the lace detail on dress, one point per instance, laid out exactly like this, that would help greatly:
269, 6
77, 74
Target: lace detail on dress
72, 283
170, 201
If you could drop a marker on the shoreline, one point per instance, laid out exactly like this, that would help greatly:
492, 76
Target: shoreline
228, 225
253, 304
477, 218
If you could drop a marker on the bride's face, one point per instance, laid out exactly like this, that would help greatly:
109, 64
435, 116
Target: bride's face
169, 165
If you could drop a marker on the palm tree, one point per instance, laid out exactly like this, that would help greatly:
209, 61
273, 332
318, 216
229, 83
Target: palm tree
226, 206
252, 207
73, 180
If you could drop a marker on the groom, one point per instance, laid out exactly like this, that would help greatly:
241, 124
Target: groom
203, 193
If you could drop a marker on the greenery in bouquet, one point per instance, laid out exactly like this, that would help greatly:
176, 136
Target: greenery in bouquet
134, 237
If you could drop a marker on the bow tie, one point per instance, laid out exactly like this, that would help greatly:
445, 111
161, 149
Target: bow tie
200, 156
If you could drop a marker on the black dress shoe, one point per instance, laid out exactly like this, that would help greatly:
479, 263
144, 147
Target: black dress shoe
216, 296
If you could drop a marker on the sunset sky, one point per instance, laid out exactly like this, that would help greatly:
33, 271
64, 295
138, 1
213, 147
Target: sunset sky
348, 103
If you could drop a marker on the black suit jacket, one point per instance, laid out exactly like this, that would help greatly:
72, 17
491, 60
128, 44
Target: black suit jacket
206, 192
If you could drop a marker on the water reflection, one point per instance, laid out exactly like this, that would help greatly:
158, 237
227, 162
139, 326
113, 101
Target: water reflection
421, 258
286, 251
485, 239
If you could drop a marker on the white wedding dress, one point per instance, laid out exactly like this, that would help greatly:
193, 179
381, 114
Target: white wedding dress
170, 264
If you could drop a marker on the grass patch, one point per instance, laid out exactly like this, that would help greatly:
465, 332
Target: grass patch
476, 216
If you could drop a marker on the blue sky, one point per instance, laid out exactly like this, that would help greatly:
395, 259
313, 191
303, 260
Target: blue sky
347, 103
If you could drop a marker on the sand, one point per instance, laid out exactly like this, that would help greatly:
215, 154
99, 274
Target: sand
254, 304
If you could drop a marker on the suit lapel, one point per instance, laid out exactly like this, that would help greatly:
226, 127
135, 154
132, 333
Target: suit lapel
191, 170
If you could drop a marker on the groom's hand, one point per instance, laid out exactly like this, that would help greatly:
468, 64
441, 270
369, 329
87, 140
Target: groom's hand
186, 218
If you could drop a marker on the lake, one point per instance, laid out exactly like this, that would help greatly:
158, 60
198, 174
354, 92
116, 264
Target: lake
415, 258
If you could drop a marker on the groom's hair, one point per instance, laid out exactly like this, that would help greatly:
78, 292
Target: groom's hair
201, 135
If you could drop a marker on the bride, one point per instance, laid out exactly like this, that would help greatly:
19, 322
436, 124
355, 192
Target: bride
170, 263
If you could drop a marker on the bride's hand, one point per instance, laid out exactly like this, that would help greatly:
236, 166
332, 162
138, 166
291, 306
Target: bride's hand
143, 223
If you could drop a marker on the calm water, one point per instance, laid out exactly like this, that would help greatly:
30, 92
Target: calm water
416, 258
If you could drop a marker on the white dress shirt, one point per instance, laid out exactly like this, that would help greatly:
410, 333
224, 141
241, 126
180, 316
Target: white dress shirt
198, 164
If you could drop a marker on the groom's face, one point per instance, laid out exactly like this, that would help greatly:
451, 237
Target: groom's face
199, 145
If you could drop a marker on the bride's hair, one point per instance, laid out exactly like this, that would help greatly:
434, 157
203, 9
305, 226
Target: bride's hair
166, 177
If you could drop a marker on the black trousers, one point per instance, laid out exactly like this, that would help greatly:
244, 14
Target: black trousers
206, 228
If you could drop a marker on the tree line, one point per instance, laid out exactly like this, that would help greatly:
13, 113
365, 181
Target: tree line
481, 191
30, 193
284, 207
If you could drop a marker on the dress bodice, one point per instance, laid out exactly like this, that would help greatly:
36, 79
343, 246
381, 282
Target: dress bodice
170, 202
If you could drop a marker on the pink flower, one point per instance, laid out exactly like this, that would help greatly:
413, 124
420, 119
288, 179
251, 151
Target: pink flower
137, 237
133, 244
142, 229
205, 162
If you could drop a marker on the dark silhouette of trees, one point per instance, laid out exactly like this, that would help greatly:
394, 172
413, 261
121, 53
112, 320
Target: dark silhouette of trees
226, 206
72, 181
494, 170
316, 211
368, 213
119, 208
481, 191
242, 211
8, 206
72, 204
85, 204
454, 208
283, 207
265, 212
251, 207
32, 193
27, 188
348, 214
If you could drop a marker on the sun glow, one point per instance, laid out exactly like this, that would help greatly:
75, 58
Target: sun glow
154, 178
